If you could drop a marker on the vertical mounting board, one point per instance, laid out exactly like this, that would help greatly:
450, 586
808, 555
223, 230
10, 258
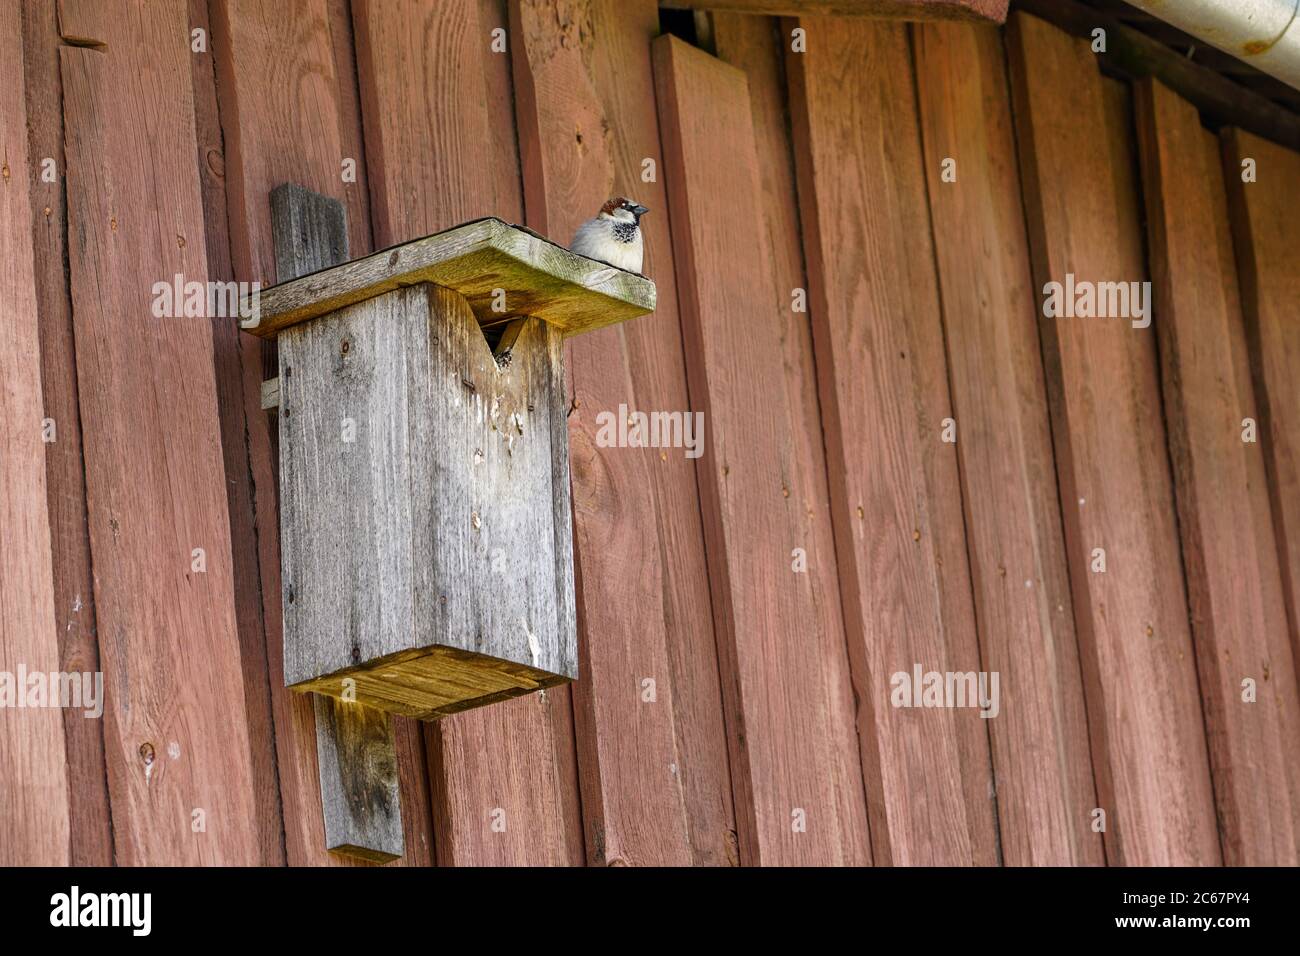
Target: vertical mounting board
360, 798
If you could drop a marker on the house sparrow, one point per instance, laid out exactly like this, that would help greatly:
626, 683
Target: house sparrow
614, 236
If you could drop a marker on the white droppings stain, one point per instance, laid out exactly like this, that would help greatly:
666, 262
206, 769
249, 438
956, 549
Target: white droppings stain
174, 750
1082, 502
76, 604
1029, 584
672, 769
478, 456
534, 648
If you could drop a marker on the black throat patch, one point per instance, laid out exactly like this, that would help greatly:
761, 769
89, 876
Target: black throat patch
624, 231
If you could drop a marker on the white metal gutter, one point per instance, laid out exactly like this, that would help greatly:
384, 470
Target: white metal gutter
1263, 33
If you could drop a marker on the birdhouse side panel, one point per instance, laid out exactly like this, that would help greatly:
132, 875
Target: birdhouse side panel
346, 485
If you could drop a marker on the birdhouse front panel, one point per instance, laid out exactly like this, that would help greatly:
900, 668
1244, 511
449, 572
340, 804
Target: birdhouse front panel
426, 531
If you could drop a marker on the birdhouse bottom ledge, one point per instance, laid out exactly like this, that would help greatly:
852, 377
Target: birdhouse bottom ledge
432, 682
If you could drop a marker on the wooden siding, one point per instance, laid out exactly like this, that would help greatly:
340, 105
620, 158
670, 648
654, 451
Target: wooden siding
34, 785
1019, 566
799, 786
1233, 580
895, 495
839, 303
1081, 199
176, 732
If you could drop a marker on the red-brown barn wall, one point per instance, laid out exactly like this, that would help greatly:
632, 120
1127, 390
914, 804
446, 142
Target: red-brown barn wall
834, 303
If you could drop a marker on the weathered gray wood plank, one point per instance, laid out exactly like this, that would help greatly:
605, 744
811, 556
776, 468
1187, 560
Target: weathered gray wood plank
358, 780
310, 231
479, 260
271, 394
345, 474
495, 531
355, 751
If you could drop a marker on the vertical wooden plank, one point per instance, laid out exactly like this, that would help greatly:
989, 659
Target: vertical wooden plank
497, 75
65, 469
285, 113
799, 783
1139, 667
587, 125
895, 495
1233, 580
754, 45
502, 776
1265, 232
34, 828
235, 448
177, 748
360, 789
1004, 446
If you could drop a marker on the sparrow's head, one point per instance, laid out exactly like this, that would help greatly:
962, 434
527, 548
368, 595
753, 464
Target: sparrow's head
623, 209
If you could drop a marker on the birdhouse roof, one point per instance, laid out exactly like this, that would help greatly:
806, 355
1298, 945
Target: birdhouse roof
503, 270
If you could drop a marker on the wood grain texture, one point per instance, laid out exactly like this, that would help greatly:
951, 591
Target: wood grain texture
309, 231
233, 416
799, 784
994, 11
357, 759
503, 777
419, 501
895, 494
177, 732
1081, 202
655, 781
1234, 583
431, 682
65, 470
289, 114
34, 827
360, 790
495, 531
1263, 229
1019, 570
504, 272
754, 45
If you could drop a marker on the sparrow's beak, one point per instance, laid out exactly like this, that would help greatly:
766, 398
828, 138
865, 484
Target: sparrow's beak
639, 210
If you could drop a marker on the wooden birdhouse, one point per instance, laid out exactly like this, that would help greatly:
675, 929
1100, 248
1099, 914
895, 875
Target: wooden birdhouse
426, 537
